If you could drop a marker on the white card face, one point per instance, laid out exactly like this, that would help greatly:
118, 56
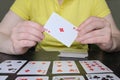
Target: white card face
35, 67
61, 67
61, 29
11, 66
94, 66
32, 78
102, 77
3, 77
68, 78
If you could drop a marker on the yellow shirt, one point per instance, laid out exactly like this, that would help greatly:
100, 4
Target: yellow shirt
75, 11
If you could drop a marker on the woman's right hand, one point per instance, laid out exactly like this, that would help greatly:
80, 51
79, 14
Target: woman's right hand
26, 35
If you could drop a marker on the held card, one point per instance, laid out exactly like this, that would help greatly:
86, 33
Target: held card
61, 29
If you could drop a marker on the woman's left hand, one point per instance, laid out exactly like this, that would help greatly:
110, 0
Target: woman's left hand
95, 31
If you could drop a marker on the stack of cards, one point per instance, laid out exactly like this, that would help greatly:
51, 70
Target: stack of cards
62, 67
94, 66
35, 67
61, 29
11, 66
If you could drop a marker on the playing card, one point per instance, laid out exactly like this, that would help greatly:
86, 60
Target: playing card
11, 66
61, 67
73, 54
94, 66
61, 29
3, 77
32, 78
35, 67
109, 76
68, 78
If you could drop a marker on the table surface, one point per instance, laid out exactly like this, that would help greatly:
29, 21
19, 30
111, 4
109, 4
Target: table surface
111, 60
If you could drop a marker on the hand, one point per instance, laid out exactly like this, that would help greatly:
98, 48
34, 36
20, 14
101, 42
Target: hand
95, 31
26, 35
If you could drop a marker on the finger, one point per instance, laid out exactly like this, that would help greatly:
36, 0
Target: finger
26, 43
91, 27
95, 40
90, 34
34, 25
88, 21
27, 36
32, 31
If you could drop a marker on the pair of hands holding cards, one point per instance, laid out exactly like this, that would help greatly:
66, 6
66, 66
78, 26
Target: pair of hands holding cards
93, 31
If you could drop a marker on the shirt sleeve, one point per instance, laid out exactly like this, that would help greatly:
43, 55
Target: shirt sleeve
21, 8
100, 8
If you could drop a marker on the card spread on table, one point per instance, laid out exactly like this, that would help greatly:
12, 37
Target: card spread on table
3, 77
68, 78
35, 67
109, 76
32, 78
61, 29
61, 67
11, 66
94, 66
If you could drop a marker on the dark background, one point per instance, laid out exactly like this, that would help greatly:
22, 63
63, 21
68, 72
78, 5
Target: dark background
113, 4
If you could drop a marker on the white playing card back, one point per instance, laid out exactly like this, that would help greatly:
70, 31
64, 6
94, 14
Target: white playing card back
61, 29
73, 54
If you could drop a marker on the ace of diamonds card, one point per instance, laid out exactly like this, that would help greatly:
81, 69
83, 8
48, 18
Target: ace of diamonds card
61, 29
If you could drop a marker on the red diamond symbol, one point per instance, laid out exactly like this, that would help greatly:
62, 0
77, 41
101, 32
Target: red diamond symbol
61, 29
